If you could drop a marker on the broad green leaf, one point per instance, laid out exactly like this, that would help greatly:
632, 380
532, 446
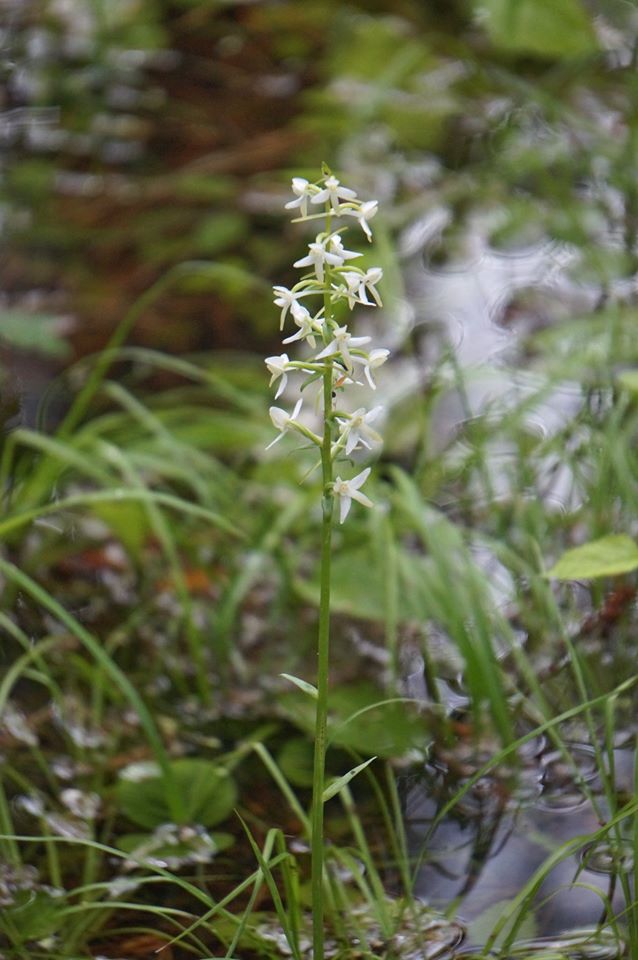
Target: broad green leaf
548, 28
302, 684
337, 785
35, 914
606, 557
208, 795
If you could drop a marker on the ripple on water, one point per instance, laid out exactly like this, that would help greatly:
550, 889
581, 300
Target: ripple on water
608, 857
587, 944
564, 779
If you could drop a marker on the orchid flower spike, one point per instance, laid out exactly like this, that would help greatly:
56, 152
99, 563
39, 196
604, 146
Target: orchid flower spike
348, 490
330, 279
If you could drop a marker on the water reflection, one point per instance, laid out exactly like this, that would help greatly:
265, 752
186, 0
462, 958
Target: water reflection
488, 847
483, 304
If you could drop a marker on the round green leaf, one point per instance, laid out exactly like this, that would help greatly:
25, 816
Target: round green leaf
208, 795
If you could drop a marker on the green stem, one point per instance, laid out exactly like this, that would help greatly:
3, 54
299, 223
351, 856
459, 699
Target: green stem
323, 659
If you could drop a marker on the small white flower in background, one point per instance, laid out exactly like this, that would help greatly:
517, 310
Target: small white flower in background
356, 429
332, 193
340, 344
348, 490
283, 421
376, 358
80, 803
303, 192
277, 366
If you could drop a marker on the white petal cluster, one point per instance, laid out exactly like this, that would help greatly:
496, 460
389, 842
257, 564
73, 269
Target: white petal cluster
330, 282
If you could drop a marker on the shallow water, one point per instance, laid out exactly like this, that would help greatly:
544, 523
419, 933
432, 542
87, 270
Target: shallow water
484, 851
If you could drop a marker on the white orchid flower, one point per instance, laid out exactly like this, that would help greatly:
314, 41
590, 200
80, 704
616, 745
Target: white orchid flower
303, 191
317, 257
376, 358
363, 212
369, 281
356, 429
285, 299
336, 246
348, 490
341, 343
352, 289
308, 325
332, 193
277, 366
283, 421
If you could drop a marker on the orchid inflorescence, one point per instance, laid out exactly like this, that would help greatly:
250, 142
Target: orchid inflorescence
332, 277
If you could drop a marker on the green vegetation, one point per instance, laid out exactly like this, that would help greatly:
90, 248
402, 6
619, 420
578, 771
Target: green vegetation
160, 569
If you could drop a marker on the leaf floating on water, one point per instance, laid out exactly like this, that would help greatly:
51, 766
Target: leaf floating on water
172, 847
607, 557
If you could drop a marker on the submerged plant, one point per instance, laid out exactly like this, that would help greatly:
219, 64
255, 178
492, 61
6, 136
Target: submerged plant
335, 359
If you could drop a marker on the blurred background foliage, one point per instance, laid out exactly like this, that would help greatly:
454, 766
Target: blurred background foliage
142, 133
